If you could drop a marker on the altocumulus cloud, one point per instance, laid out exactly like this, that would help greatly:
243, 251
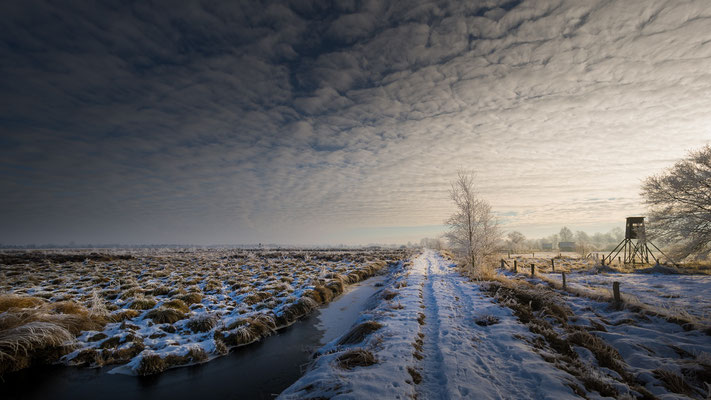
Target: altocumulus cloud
217, 122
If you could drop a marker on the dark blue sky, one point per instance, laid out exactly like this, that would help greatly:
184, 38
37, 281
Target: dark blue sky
337, 122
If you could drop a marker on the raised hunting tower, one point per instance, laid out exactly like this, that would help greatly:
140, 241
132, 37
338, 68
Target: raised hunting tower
634, 245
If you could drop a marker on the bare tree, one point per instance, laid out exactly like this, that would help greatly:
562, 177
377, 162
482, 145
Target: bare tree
516, 241
680, 204
473, 231
566, 235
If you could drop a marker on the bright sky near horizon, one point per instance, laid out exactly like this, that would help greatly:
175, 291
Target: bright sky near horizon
307, 122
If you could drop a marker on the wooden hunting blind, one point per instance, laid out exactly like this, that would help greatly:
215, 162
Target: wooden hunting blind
634, 228
634, 245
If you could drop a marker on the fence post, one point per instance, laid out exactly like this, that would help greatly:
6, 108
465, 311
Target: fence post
515, 267
553, 264
502, 263
564, 286
603, 261
533, 255
533, 269
616, 292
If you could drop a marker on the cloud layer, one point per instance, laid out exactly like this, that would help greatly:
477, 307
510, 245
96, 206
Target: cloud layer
220, 122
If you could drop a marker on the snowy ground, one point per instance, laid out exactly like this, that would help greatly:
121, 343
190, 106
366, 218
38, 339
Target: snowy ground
435, 329
675, 293
437, 335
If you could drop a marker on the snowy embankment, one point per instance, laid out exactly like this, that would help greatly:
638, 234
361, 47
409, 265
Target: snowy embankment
628, 349
435, 335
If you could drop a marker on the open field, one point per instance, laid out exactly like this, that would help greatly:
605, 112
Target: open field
149, 310
428, 332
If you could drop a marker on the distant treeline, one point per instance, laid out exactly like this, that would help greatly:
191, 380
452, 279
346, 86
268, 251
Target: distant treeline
516, 242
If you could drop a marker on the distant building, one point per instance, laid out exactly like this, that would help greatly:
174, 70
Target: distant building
547, 246
566, 246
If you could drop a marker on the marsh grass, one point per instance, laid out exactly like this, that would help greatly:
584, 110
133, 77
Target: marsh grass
177, 304
202, 323
11, 301
164, 315
359, 332
355, 358
21, 345
154, 291
141, 303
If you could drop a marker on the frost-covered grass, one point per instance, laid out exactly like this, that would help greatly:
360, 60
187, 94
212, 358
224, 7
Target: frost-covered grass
150, 310
616, 350
683, 295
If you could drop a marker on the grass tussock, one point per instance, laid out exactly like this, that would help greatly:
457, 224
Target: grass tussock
202, 323
360, 332
177, 304
124, 315
389, 294
67, 307
416, 377
151, 364
11, 301
142, 304
248, 330
605, 354
163, 315
356, 358
20, 346
191, 298
674, 382
296, 310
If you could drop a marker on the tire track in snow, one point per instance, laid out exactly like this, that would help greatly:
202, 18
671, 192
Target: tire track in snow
434, 382
464, 360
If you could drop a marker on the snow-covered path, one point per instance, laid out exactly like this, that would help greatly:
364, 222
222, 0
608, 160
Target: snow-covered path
465, 360
429, 346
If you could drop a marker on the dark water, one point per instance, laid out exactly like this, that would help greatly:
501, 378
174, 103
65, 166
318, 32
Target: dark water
258, 371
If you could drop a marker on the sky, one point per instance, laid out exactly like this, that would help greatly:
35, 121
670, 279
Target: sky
343, 122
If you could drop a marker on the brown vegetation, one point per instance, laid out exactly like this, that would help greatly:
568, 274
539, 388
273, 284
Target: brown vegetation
355, 358
83, 292
358, 333
165, 315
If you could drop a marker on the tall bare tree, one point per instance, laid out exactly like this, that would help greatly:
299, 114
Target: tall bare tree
473, 230
680, 204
